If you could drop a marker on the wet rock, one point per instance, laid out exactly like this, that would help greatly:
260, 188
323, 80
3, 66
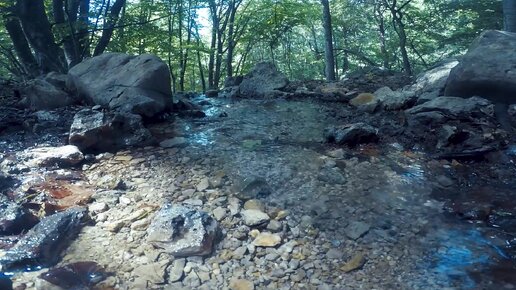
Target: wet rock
5, 282
174, 142
6, 181
212, 93
267, 240
14, 219
182, 231
98, 131
443, 108
135, 84
176, 270
395, 100
79, 275
203, 184
42, 245
331, 175
253, 218
357, 262
487, 69
251, 187
153, 273
351, 134
356, 230
40, 94
219, 213
68, 155
254, 204
241, 284
262, 81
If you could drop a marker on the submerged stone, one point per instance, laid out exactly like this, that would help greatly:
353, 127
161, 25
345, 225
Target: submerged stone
351, 134
182, 231
79, 275
42, 244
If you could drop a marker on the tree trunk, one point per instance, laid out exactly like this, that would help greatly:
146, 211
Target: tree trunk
21, 46
213, 45
231, 38
509, 15
328, 39
407, 67
38, 32
109, 27
83, 35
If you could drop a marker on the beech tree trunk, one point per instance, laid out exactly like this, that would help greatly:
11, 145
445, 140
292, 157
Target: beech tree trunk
37, 29
328, 39
20, 44
109, 27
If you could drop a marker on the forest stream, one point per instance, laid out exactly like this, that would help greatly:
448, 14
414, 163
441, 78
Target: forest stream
365, 217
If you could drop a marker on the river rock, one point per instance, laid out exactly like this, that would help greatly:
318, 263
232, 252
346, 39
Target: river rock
253, 217
14, 218
135, 84
174, 142
487, 69
262, 81
43, 94
267, 240
356, 230
42, 245
241, 284
251, 187
182, 231
68, 155
99, 131
5, 282
441, 109
395, 100
351, 134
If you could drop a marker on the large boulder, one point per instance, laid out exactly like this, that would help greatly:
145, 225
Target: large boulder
46, 93
488, 69
433, 81
262, 81
136, 84
96, 131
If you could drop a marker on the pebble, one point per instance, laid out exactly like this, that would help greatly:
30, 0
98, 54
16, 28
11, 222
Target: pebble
175, 272
253, 217
267, 240
241, 284
356, 230
219, 213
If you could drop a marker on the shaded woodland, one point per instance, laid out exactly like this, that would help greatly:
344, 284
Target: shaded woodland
205, 41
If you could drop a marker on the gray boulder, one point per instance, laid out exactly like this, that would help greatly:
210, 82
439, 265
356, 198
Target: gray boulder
487, 69
182, 231
395, 100
434, 80
351, 134
262, 81
445, 108
46, 93
135, 84
42, 245
98, 131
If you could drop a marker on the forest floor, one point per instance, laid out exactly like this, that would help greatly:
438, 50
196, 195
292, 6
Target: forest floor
371, 217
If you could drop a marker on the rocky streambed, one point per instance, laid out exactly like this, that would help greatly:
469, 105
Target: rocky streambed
252, 196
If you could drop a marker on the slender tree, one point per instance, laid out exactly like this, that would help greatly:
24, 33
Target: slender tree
328, 40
